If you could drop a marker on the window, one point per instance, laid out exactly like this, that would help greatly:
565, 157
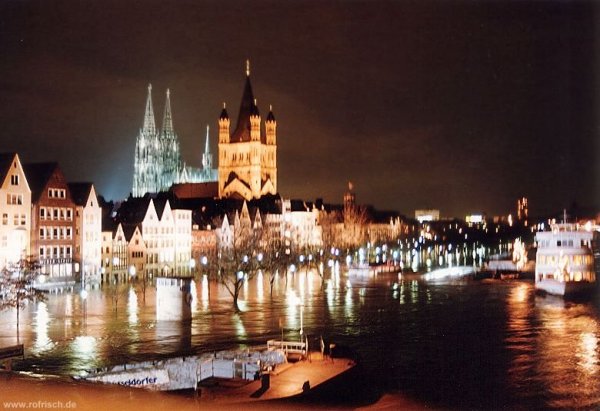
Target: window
56, 232
42, 233
14, 199
42, 213
23, 219
14, 180
69, 214
69, 232
42, 252
16, 219
55, 211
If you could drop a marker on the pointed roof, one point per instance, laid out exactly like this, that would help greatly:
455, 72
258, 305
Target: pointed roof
247, 109
206, 144
38, 175
80, 192
270, 116
167, 124
149, 123
6, 160
224, 115
129, 230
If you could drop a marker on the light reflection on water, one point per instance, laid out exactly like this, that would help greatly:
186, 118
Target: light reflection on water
445, 339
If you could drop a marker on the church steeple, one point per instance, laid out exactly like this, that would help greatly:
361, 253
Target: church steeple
247, 109
149, 123
207, 156
167, 124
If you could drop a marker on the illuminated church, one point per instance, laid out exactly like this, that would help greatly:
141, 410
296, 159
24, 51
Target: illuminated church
248, 156
158, 163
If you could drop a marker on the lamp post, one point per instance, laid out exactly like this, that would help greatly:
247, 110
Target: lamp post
192, 266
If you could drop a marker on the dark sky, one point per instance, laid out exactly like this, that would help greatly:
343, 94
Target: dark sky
460, 106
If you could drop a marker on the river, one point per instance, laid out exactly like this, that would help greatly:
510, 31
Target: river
443, 341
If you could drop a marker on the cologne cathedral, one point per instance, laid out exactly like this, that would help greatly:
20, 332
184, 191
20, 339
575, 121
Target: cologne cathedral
158, 163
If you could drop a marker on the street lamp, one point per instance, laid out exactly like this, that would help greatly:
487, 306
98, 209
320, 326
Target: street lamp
192, 265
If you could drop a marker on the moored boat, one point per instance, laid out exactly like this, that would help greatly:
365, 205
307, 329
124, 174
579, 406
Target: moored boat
565, 261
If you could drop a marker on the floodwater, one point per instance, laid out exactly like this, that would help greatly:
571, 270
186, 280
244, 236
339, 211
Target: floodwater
439, 340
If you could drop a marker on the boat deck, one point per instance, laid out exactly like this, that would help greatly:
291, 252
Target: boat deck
286, 381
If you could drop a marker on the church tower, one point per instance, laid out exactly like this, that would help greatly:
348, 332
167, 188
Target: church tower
207, 159
157, 162
145, 173
248, 156
170, 161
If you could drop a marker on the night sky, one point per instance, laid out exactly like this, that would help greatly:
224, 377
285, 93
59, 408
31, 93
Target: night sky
460, 106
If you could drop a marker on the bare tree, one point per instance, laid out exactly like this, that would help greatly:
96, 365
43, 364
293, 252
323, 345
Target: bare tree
276, 256
239, 261
354, 231
17, 286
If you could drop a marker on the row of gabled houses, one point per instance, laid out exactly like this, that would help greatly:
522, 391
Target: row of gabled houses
56, 223
79, 238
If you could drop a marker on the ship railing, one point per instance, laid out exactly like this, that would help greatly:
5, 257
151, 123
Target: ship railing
288, 347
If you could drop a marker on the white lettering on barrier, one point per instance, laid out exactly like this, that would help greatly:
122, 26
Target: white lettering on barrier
142, 378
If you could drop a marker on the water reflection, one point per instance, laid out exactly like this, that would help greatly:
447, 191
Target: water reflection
490, 344
567, 359
41, 323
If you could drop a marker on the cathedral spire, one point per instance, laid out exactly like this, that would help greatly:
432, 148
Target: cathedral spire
206, 156
167, 125
206, 144
149, 123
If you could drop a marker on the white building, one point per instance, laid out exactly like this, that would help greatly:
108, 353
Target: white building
88, 232
15, 208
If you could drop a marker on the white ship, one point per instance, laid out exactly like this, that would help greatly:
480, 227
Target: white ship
565, 260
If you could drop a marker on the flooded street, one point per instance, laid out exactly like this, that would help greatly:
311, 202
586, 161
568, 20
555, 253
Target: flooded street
442, 340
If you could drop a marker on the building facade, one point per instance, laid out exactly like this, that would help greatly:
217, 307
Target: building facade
15, 207
248, 156
52, 221
157, 161
88, 233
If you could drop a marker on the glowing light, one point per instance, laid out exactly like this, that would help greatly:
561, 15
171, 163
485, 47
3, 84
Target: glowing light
132, 307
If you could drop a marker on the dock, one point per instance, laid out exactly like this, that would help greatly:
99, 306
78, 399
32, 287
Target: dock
286, 381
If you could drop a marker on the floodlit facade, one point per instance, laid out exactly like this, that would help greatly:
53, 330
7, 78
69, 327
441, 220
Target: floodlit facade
88, 232
52, 221
248, 156
157, 163
15, 210
427, 215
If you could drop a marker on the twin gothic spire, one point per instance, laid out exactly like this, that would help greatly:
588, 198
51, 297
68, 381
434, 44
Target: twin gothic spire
149, 121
